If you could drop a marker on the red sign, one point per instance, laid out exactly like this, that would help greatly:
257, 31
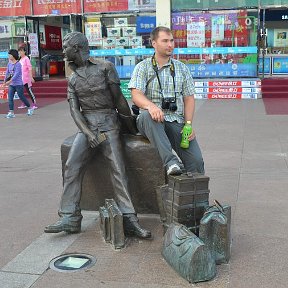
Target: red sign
224, 96
105, 6
53, 38
15, 8
3, 92
225, 89
224, 83
2, 72
56, 7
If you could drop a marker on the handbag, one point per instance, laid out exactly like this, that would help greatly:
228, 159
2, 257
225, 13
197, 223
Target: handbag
187, 254
9, 77
215, 231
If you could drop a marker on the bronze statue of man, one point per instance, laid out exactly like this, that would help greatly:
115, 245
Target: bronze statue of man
96, 102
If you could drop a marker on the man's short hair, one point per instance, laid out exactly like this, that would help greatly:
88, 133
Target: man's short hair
79, 39
155, 32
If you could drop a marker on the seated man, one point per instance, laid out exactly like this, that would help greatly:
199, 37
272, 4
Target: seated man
95, 101
163, 89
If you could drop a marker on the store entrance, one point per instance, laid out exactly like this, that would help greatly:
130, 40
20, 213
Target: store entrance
45, 35
274, 42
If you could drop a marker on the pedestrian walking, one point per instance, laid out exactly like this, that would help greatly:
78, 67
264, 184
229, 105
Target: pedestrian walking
27, 76
13, 79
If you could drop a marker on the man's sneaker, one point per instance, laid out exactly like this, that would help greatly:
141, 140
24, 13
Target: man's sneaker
30, 111
22, 106
174, 169
10, 115
34, 107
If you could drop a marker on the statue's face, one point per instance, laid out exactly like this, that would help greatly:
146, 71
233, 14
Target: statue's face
69, 52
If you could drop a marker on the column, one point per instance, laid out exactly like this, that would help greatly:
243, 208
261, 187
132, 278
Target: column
163, 13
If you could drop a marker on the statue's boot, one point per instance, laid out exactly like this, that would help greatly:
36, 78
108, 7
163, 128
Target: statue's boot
62, 226
132, 227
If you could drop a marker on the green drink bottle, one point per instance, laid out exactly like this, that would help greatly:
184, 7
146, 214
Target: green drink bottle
186, 132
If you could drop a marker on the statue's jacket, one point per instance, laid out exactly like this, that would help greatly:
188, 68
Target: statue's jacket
89, 85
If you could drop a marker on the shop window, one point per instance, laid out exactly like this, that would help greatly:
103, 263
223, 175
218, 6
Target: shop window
218, 43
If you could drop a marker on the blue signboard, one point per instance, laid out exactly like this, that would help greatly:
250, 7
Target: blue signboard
145, 24
206, 70
280, 65
267, 65
177, 51
4, 55
223, 70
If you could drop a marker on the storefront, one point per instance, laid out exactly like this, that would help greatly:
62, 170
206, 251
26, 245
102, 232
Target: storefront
216, 39
115, 29
274, 46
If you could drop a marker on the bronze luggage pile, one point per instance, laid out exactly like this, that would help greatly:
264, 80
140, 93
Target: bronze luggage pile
187, 200
184, 204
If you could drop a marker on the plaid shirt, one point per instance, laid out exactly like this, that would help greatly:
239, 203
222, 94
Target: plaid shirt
184, 85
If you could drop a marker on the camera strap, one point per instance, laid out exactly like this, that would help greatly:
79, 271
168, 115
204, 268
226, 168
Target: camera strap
172, 72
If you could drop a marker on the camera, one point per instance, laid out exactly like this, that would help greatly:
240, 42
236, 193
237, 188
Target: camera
169, 104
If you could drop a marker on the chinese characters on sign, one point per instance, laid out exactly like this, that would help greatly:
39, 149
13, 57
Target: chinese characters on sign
105, 6
14, 7
93, 33
145, 24
33, 40
53, 37
196, 34
217, 23
58, 7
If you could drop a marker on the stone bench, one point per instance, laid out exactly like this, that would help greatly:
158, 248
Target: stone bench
144, 168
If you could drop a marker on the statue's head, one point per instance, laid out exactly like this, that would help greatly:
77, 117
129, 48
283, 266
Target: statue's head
75, 47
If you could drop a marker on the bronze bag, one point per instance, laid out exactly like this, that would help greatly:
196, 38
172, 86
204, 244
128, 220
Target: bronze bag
187, 254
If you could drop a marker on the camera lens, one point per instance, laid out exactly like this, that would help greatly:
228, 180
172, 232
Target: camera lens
172, 107
165, 104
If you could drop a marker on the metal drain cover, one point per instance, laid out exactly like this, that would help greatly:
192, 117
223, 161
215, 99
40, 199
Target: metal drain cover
72, 262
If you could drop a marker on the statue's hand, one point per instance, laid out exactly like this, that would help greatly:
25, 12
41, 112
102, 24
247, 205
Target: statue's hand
129, 122
95, 140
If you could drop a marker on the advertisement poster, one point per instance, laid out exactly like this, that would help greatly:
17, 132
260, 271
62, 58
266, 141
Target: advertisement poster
93, 33
113, 32
145, 24
267, 65
232, 19
53, 37
109, 42
121, 42
142, 5
48, 7
5, 29
217, 23
120, 22
280, 37
15, 8
196, 34
33, 40
135, 42
280, 65
105, 5
129, 31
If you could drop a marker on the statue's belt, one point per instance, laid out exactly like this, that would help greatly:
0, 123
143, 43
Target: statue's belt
96, 110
